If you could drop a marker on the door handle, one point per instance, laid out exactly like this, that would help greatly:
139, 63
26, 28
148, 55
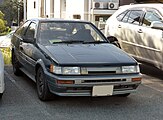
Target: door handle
140, 31
21, 48
119, 26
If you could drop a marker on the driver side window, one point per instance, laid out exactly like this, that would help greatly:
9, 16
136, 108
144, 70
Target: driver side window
149, 17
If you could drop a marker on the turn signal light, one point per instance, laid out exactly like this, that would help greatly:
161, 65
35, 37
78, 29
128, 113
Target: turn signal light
51, 67
65, 81
136, 79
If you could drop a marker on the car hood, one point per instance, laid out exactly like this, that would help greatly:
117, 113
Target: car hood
88, 54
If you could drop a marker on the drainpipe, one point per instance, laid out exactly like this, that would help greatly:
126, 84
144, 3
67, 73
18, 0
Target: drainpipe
45, 8
92, 20
25, 10
89, 10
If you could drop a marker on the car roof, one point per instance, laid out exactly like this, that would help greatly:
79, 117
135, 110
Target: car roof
56, 19
154, 5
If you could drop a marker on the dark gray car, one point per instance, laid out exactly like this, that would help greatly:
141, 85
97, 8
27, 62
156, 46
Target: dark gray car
72, 58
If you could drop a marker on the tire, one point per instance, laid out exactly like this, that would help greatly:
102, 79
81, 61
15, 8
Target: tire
1, 94
16, 65
124, 95
42, 86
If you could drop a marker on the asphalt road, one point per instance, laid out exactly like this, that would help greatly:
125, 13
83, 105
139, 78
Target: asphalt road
20, 102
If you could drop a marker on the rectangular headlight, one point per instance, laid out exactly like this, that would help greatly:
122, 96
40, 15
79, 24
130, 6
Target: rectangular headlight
130, 69
71, 70
65, 70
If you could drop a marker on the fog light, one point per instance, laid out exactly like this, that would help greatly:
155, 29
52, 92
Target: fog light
136, 79
65, 81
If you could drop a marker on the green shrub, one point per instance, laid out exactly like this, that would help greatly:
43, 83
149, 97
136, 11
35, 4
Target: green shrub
6, 52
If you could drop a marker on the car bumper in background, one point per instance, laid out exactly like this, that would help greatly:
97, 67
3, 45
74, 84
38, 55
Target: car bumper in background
2, 84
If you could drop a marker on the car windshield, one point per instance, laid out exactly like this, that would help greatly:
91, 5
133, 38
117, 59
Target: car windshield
69, 32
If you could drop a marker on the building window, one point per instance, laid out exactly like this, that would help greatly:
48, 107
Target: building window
76, 16
34, 4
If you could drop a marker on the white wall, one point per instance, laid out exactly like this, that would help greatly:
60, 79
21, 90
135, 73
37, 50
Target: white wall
57, 9
47, 12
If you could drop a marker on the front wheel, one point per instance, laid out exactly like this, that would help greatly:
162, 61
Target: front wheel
16, 65
42, 86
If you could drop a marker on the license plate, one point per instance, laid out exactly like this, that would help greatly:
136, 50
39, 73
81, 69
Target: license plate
105, 90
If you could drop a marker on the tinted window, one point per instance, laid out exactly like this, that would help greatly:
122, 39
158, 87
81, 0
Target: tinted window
149, 17
22, 29
135, 16
120, 17
30, 31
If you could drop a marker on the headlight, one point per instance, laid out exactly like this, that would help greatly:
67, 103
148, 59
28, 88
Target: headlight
65, 70
130, 69
71, 70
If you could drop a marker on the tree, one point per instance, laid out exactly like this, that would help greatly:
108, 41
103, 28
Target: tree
13, 10
2, 23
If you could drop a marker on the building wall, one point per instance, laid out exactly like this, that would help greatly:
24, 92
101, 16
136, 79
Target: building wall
57, 10
68, 9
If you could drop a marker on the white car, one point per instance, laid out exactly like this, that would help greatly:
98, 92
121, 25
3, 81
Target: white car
2, 84
139, 31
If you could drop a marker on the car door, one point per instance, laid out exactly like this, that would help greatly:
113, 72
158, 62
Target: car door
151, 44
17, 41
27, 48
130, 33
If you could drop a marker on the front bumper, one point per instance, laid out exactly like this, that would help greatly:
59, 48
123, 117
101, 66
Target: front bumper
83, 85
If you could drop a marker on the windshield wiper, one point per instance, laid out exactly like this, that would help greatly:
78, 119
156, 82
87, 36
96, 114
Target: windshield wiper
69, 41
95, 42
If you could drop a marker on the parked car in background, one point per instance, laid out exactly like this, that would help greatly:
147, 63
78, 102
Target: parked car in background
72, 58
2, 84
139, 30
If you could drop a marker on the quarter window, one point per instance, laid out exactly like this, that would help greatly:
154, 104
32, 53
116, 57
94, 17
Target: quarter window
121, 16
125, 18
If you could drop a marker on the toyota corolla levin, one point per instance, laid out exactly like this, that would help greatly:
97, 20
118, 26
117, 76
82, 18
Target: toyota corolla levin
72, 58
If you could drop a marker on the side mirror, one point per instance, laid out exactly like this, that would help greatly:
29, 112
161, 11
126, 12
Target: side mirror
157, 25
113, 40
29, 40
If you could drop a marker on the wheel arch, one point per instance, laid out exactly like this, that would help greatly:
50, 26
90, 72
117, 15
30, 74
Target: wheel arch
41, 64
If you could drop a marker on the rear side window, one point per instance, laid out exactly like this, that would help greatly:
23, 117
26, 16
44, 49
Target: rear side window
134, 17
131, 16
149, 17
